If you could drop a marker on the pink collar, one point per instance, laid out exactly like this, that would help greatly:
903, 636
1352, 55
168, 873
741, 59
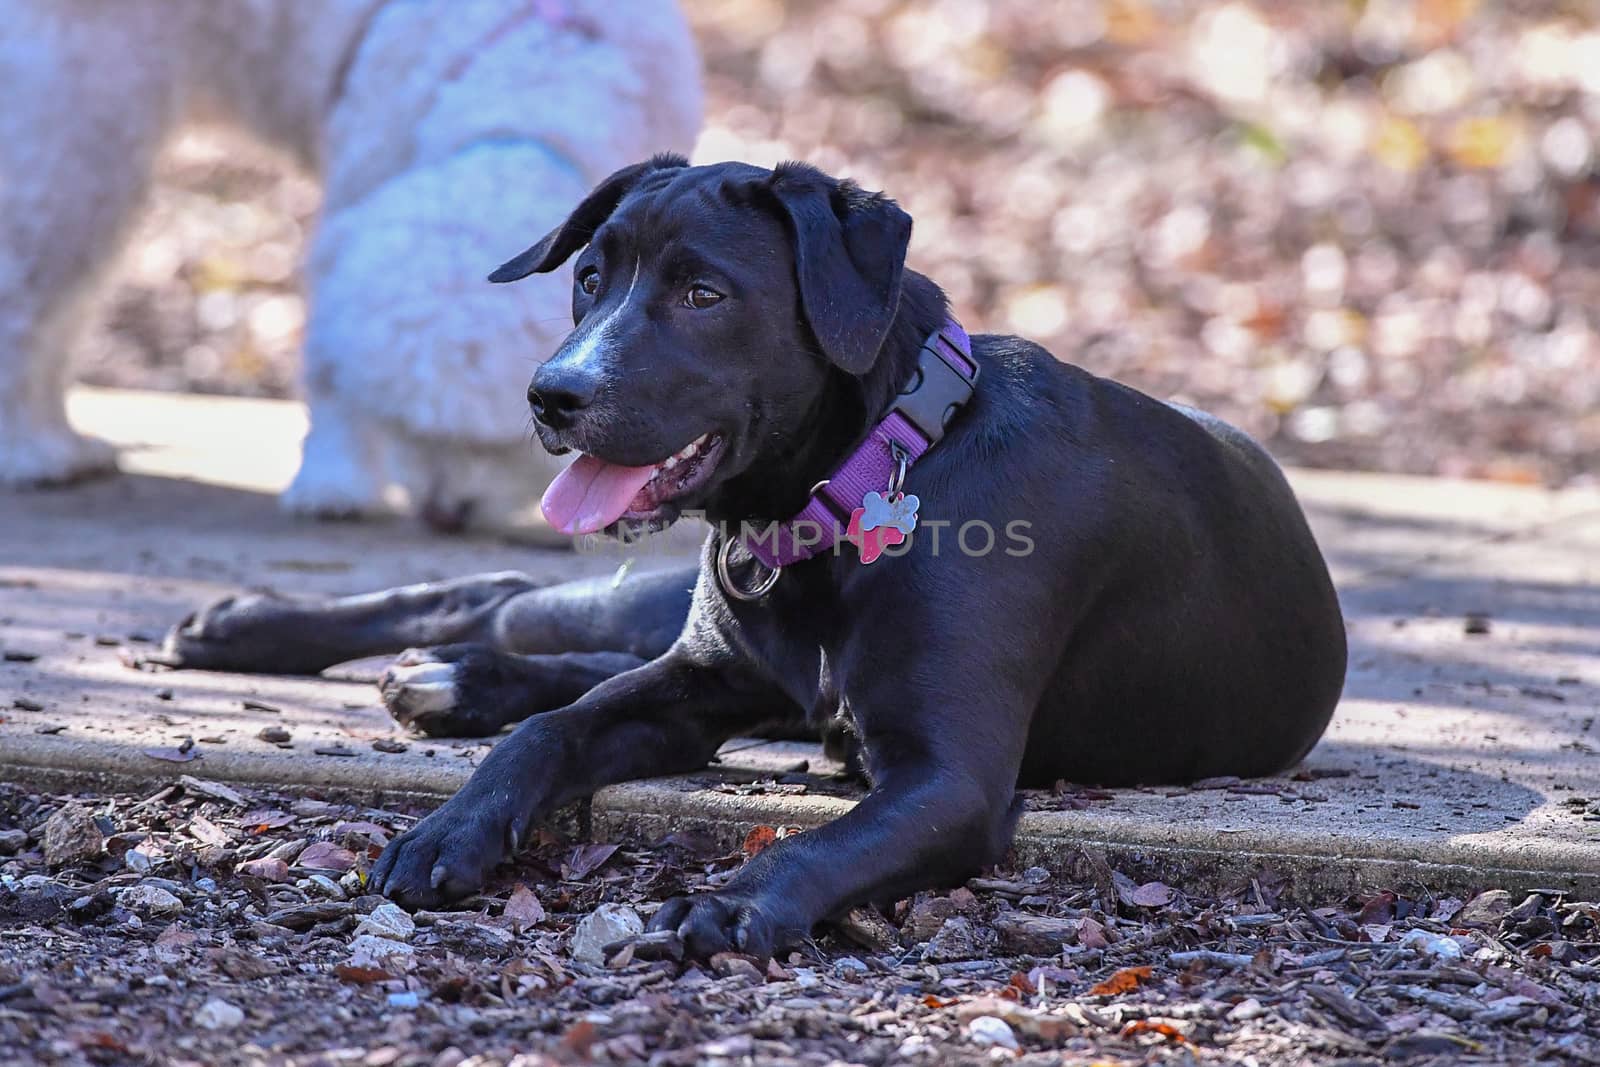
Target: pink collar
843, 507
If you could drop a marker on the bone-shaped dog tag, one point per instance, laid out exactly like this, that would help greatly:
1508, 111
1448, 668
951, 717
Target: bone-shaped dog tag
898, 511
881, 522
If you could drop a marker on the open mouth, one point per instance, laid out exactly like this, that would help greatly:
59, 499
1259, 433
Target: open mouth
592, 494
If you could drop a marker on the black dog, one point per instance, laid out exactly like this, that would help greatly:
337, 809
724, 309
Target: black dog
1126, 592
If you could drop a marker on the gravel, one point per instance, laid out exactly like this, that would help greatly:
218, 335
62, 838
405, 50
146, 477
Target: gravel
199, 960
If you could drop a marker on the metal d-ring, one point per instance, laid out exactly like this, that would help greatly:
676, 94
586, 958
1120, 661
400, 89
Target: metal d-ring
902, 460
729, 586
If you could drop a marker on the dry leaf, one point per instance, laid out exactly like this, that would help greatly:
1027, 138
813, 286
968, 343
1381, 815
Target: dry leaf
585, 860
1124, 981
1151, 895
1092, 934
350, 972
1152, 1026
759, 839
260, 820
523, 909
326, 856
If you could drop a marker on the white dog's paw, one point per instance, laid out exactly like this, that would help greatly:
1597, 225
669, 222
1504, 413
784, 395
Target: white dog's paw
341, 475
56, 456
317, 494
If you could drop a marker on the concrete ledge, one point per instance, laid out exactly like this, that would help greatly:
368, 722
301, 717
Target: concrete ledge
1456, 759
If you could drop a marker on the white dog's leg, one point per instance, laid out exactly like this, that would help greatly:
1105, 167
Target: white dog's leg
86, 107
343, 473
512, 110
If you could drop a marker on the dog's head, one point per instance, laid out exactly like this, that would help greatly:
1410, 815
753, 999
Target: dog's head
712, 308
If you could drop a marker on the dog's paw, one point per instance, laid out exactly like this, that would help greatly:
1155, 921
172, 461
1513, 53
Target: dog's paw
453, 691
341, 475
709, 923
419, 690
448, 855
43, 457
253, 634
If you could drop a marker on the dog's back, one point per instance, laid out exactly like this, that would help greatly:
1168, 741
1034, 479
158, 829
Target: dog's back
1200, 591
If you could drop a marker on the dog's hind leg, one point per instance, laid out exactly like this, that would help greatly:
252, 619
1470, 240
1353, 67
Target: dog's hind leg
88, 100
572, 637
264, 634
474, 690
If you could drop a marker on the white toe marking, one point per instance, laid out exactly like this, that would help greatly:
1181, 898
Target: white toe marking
425, 689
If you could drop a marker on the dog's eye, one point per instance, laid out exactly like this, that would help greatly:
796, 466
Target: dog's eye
701, 297
589, 280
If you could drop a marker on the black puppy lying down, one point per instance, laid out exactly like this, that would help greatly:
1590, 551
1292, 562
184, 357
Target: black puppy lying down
1100, 587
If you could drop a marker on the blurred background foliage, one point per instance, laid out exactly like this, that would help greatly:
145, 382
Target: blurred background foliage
1368, 232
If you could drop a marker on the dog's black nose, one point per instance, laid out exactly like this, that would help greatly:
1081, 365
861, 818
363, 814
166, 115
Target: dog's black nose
557, 395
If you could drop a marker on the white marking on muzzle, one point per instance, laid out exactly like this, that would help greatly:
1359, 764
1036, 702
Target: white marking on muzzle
594, 344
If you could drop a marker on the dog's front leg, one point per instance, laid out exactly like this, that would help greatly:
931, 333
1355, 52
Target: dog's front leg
666, 717
928, 821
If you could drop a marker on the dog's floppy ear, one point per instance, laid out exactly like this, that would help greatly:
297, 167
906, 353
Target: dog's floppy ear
850, 253
586, 218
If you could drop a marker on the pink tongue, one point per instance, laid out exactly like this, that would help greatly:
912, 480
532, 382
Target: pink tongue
592, 494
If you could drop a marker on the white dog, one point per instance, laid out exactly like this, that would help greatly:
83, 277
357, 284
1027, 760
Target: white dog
445, 132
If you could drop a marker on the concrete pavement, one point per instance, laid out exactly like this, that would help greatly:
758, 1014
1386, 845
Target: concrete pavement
1461, 759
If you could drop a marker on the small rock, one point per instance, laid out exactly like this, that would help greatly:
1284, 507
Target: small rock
926, 917
1432, 944
475, 938
388, 920
91, 906
847, 967
72, 834
806, 978
404, 1001
735, 965
12, 841
138, 861
1477, 623
276, 735
956, 940
150, 901
1486, 909
326, 886
384, 744
605, 925
380, 953
267, 868
990, 1030
218, 1014
1247, 1009
245, 966
736, 1047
